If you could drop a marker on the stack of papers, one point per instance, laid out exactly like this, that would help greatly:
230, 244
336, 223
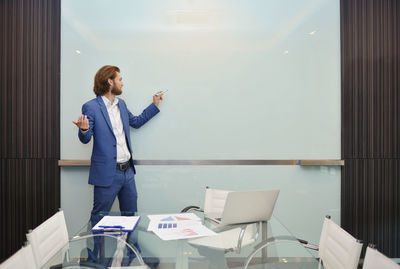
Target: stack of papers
116, 223
178, 226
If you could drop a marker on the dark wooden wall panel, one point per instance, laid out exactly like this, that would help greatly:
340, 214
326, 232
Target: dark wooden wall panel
370, 35
29, 189
370, 191
29, 117
30, 79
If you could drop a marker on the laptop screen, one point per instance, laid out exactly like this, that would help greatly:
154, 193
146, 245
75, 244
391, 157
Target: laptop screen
249, 206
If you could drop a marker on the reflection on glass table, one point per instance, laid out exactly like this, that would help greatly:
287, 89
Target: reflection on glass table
143, 249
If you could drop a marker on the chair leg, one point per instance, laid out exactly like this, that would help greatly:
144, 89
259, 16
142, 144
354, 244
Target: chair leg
240, 239
319, 263
67, 255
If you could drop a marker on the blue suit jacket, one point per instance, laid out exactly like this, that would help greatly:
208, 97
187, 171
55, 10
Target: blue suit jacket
104, 154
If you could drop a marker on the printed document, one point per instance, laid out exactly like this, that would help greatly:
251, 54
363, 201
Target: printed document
155, 220
183, 230
178, 226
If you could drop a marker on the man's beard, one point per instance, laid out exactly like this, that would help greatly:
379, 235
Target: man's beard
116, 91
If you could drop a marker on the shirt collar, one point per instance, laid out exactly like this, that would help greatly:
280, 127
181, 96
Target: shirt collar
108, 103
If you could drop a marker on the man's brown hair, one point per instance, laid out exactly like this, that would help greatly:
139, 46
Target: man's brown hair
101, 85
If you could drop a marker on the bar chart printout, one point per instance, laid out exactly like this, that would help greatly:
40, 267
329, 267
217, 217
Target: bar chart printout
178, 226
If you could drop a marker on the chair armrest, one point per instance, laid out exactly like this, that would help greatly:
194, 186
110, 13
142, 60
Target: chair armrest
74, 265
308, 245
91, 234
190, 208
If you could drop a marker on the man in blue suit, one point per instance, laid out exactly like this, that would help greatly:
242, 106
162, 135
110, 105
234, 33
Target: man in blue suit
107, 119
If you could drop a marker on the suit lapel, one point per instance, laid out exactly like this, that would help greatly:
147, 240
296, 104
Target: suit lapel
105, 112
124, 114
125, 122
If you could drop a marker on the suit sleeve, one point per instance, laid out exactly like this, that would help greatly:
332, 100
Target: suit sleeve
147, 114
85, 137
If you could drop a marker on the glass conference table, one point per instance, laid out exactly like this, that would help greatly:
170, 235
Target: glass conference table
257, 245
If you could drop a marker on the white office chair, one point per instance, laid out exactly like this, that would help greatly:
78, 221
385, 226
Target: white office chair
49, 238
214, 202
337, 248
376, 260
23, 258
50, 241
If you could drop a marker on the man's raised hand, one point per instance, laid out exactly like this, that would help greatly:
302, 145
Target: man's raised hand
82, 122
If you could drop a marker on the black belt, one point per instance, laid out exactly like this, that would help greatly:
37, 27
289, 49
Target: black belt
123, 166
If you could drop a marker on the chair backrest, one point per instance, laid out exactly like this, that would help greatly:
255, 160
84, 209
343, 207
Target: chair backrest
48, 238
214, 202
337, 248
376, 260
23, 258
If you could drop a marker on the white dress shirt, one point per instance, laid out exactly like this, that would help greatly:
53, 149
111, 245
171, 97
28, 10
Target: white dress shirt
123, 154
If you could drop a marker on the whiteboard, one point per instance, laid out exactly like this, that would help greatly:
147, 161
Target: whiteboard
245, 80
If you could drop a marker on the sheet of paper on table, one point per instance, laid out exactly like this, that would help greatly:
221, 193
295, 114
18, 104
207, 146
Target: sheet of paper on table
183, 230
171, 218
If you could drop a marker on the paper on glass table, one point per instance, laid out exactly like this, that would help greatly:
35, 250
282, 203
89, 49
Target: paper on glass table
184, 230
155, 220
122, 223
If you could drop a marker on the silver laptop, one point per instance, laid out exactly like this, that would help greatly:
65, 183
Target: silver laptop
248, 206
